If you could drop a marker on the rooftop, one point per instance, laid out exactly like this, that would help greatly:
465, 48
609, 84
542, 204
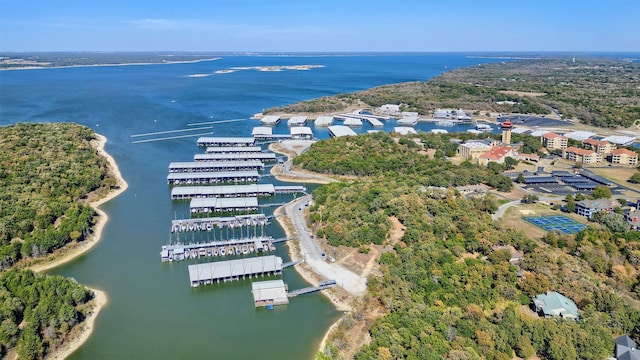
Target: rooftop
620, 139
578, 151
624, 151
580, 135
556, 304
340, 130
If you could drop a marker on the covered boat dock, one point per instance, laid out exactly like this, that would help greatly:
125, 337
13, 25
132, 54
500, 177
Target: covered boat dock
228, 191
230, 270
233, 149
270, 292
226, 141
209, 166
262, 156
209, 205
212, 177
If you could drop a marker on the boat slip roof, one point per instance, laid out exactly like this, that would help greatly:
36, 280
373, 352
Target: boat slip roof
270, 119
236, 156
223, 190
297, 120
262, 131
215, 164
340, 130
301, 130
232, 149
224, 203
226, 140
234, 268
324, 121
212, 175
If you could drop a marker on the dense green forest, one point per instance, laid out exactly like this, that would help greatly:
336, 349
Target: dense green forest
46, 172
37, 312
600, 92
448, 289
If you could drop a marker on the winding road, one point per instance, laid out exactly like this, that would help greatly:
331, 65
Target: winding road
314, 255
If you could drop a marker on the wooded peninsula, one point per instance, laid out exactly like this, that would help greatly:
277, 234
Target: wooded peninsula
48, 175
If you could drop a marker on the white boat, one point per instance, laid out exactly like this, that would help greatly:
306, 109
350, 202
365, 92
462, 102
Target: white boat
187, 254
222, 251
209, 227
245, 250
215, 252
230, 251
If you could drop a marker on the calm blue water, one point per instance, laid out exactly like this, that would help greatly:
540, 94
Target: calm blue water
152, 311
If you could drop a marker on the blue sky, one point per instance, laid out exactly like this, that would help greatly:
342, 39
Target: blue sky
320, 26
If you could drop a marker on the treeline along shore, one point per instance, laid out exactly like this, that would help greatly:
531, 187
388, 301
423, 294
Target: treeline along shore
49, 215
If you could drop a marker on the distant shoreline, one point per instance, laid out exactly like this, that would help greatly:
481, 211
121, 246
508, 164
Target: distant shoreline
105, 65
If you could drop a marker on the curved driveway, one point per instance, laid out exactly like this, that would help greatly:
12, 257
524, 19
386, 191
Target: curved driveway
313, 253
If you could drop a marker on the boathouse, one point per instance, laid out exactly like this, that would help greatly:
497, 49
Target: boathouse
262, 133
189, 178
270, 120
209, 205
207, 166
340, 130
301, 133
226, 141
234, 269
323, 121
297, 121
270, 292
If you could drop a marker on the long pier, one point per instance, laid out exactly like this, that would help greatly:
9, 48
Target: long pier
243, 246
322, 286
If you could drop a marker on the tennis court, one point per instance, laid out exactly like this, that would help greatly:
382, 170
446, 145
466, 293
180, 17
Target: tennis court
556, 222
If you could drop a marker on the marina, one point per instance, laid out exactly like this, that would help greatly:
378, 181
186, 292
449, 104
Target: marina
243, 246
213, 166
262, 133
237, 204
191, 192
189, 178
226, 141
208, 273
262, 156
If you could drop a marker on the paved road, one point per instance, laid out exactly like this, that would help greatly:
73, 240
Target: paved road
504, 208
312, 252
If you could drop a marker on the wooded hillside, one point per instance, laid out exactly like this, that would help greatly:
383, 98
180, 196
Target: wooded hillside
448, 289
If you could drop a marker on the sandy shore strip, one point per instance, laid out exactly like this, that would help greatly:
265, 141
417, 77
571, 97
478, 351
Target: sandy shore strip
93, 239
85, 328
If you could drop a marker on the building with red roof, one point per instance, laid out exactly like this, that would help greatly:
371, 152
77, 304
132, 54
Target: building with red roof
585, 156
624, 157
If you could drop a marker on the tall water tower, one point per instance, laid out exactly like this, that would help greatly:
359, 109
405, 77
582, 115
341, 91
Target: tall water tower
506, 132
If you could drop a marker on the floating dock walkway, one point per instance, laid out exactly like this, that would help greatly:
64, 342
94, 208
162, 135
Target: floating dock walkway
189, 178
214, 166
322, 286
194, 192
242, 246
230, 270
